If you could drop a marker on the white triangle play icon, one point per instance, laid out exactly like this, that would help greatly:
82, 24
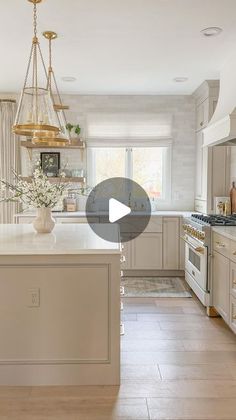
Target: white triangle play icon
117, 210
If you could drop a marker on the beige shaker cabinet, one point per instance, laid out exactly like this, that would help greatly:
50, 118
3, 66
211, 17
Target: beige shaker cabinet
202, 114
212, 170
220, 285
199, 166
171, 243
147, 252
157, 248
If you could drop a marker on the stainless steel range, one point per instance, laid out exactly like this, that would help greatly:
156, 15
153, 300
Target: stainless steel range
197, 237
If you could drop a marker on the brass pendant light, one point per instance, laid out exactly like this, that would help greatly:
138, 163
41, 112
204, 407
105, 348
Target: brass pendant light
35, 112
54, 139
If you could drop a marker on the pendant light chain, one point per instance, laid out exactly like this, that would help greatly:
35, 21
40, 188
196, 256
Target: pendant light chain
35, 20
50, 65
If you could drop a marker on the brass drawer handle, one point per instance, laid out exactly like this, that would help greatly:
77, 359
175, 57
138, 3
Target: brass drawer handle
220, 244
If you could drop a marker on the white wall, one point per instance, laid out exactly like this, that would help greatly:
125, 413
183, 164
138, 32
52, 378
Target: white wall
183, 152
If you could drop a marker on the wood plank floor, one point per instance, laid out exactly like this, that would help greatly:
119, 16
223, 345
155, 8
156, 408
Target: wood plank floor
176, 364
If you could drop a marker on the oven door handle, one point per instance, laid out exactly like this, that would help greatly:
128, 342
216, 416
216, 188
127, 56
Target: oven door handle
199, 249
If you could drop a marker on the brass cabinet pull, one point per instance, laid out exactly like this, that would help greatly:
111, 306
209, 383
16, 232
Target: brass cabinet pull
220, 244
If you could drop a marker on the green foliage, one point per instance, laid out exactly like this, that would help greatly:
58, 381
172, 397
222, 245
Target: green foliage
71, 127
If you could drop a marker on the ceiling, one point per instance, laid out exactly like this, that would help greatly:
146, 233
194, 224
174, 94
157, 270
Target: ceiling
120, 46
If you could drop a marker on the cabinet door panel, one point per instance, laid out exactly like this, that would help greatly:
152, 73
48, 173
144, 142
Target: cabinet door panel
221, 285
199, 165
220, 168
202, 115
147, 251
171, 243
233, 313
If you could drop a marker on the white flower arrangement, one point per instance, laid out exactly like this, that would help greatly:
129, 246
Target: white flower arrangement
38, 192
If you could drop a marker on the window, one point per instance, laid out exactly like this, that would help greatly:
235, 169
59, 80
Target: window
148, 166
133, 145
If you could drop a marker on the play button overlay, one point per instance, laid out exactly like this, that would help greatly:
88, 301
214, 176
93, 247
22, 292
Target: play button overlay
118, 201
117, 210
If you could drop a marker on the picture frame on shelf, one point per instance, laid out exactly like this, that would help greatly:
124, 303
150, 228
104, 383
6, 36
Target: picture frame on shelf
50, 163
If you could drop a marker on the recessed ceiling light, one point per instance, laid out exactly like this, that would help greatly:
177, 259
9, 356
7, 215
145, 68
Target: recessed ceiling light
180, 79
68, 79
211, 31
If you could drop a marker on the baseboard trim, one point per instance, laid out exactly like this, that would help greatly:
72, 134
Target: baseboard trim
153, 273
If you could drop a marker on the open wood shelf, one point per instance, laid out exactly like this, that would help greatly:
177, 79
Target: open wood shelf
56, 179
74, 144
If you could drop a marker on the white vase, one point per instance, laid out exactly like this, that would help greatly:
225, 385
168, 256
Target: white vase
44, 223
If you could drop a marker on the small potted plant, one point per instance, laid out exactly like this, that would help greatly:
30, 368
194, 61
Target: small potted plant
73, 129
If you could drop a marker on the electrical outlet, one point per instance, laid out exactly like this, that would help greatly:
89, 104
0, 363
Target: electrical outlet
33, 298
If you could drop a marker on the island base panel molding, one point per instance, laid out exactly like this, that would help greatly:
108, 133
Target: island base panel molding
71, 334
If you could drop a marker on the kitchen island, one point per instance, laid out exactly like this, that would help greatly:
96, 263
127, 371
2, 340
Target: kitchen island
59, 306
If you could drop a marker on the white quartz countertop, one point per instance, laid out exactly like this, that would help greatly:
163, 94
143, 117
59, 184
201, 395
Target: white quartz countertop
66, 239
177, 213
227, 231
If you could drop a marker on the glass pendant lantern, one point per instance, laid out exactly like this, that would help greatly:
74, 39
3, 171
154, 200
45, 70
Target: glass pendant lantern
51, 138
36, 113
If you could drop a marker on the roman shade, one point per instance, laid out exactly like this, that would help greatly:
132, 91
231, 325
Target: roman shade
117, 129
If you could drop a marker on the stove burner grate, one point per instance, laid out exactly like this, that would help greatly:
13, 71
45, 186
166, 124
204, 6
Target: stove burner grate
215, 219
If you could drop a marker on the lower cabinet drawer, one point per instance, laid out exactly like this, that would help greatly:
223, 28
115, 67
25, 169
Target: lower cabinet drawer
233, 313
221, 244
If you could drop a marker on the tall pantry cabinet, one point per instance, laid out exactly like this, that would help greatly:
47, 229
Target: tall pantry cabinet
212, 174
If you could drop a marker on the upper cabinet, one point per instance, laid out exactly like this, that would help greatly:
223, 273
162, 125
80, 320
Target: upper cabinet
202, 115
212, 172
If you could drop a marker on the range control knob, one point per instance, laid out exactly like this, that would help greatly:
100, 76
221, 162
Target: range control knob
202, 236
